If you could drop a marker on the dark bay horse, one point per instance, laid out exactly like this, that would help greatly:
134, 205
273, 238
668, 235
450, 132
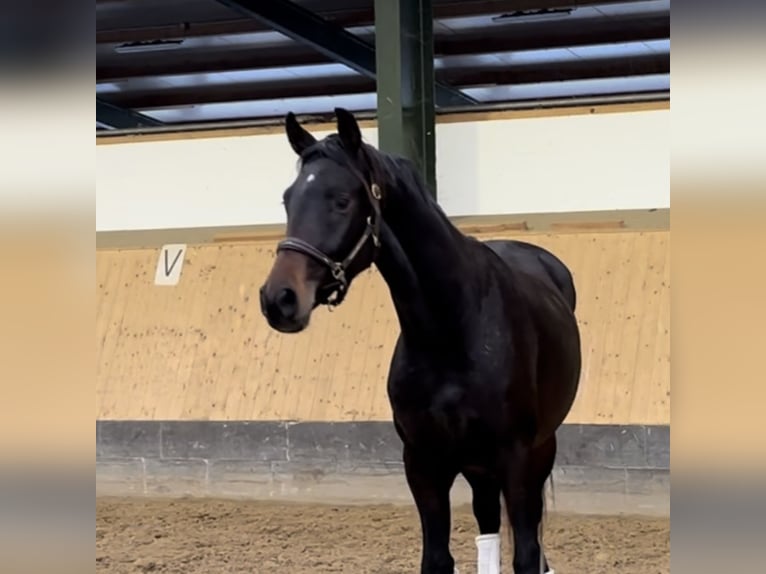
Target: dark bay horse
487, 363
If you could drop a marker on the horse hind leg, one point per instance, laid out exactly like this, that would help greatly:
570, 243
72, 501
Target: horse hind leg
526, 470
486, 509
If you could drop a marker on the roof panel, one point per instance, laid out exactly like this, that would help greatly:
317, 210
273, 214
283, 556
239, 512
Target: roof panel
321, 71
266, 108
131, 84
659, 46
268, 38
645, 7
467, 61
113, 14
537, 56
490, 21
601, 86
226, 60
611, 50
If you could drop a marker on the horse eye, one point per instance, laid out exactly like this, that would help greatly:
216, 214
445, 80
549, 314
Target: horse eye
342, 202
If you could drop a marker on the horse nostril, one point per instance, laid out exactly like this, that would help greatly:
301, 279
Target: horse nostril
287, 302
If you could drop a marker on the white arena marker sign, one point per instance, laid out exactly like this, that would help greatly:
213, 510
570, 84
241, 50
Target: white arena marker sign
170, 263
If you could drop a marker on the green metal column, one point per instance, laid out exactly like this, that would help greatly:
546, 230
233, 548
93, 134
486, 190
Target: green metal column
404, 60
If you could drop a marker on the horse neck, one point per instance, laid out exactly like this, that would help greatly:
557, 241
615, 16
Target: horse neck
422, 255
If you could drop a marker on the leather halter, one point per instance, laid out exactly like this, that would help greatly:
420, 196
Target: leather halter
339, 285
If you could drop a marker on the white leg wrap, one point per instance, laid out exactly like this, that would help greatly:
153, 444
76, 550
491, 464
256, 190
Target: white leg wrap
488, 546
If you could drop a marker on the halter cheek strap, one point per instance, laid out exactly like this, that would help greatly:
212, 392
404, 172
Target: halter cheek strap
338, 287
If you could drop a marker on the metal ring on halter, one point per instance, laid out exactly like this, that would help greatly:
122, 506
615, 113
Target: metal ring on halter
338, 273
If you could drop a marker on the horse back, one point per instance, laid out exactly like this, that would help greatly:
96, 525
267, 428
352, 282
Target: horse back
536, 261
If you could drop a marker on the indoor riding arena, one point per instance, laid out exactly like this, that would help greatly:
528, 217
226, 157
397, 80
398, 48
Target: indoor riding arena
225, 444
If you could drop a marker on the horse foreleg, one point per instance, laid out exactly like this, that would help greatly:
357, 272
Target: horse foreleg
430, 483
486, 509
526, 471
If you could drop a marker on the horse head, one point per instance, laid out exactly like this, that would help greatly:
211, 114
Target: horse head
333, 224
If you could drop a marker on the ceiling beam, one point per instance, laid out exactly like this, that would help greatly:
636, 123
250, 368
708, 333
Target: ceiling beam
120, 118
329, 39
534, 36
310, 29
560, 71
556, 34
463, 77
461, 8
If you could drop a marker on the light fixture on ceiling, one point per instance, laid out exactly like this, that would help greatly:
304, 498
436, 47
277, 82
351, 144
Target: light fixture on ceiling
533, 15
150, 46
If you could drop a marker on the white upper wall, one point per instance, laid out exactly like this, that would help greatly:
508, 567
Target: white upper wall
528, 165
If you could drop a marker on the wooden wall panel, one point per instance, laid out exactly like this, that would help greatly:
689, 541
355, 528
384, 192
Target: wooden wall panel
201, 350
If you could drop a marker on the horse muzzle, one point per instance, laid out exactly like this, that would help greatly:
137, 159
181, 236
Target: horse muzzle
283, 310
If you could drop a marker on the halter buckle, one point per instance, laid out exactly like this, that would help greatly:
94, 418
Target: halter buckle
375, 191
338, 273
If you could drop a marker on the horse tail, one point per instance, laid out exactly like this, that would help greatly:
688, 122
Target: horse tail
544, 517
545, 502
553, 492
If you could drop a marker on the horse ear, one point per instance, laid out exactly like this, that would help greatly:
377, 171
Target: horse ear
348, 130
298, 137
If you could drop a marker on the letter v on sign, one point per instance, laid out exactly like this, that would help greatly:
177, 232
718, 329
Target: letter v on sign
169, 264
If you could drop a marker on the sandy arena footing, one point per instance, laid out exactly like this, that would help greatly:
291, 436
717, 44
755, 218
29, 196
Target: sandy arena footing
200, 535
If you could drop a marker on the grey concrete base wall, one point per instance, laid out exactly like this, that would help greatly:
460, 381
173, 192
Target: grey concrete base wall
344, 461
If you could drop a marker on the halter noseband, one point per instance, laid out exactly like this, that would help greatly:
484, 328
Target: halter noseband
338, 269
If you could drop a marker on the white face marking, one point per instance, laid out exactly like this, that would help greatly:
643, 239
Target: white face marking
310, 178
